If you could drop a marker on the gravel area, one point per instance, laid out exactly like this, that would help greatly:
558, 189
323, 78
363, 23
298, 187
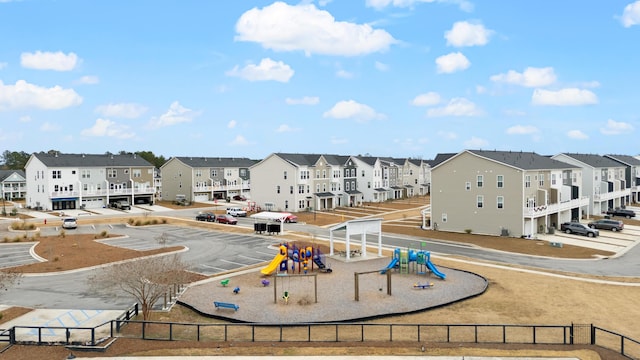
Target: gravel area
335, 293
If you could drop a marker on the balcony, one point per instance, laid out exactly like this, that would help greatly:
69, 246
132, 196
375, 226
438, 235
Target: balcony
612, 195
209, 188
544, 210
102, 192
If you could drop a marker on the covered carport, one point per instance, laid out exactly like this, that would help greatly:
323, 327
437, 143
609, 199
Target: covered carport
357, 227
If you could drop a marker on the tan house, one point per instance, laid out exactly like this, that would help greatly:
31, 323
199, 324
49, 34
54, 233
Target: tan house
504, 193
193, 178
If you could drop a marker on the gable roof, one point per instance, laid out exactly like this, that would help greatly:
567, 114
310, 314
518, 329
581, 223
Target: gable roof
624, 159
440, 158
4, 174
312, 159
523, 160
216, 161
90, 160
594, 160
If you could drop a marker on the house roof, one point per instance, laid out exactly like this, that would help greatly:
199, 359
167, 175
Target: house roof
6, 173
440, 158
523, 160
90, 160
624, 159
312, 159
594, 160
216, 161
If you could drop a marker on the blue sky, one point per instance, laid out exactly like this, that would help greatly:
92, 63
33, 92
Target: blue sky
402, 78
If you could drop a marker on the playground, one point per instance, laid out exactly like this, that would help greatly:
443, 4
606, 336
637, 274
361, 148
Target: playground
302, 292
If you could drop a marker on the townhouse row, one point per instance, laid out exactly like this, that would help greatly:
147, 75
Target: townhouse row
488, 192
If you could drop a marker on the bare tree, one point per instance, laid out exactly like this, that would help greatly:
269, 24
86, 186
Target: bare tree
8, 279
147, 280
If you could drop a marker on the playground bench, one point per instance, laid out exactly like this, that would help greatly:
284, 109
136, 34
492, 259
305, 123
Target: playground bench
218, 304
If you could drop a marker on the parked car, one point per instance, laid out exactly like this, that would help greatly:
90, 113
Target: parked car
206, 216
236, 211
578, 228
291, 219
621, 212
69, 223
607, 224
227, 219
239, 198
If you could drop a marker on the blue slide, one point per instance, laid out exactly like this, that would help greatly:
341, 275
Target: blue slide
435, 271
391, 265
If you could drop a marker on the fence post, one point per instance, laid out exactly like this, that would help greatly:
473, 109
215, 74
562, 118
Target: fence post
571, 334
593, 335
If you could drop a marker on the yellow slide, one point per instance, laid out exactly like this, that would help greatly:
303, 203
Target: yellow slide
274, 264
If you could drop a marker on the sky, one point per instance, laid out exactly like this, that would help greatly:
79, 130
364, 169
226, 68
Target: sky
399, 78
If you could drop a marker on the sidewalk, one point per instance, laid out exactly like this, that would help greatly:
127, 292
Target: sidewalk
328, 357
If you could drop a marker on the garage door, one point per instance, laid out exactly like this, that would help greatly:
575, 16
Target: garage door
204, 197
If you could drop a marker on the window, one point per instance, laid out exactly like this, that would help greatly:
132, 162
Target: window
138, 173
444, 217
278, 189
362, 173
286, 204
57, 174
304, 174
112, 173
318, 188
480, 201
324, 174
500, 202
317, 174
85, 187
500, 181
353, 185
126, 171
368, 184
346, 186
214, 173
291, 189
300, 189
324, 187
541, 180
467, 186
243, 172
300, 204
285, 175
353, 172
198, 173
553, 179
527, 181
85, 174
480, 181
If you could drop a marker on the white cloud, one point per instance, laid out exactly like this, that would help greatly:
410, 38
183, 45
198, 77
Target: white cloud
88, 80
530, 77
476, 143
481, 89
452, 62
456, 107
411, 144
338, 141
175, 115
57, 61
467, 34
25, 119
464, 5
108, 128
285, 128
522, 130
232, 124
564, 97
577, 134
265, 71
353, 110
631, 14
381, 66
49, 127
447, 135
283, 27
344, 74
616, 128
121, 110
239, 141
427, 99
514, 112
25, 95
306, 100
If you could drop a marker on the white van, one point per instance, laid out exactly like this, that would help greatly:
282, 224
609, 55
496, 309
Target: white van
236, 211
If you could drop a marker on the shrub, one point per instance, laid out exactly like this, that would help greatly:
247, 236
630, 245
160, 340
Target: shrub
130, 221
63, 233
468, 231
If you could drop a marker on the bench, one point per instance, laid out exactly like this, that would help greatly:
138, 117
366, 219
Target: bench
218, 304
224, 282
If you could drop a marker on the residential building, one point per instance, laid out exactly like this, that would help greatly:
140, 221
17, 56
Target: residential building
70, 181
504, 193
631, 174
13, 184
205, 178
603, 180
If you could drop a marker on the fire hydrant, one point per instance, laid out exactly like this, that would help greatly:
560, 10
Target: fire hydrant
45, 221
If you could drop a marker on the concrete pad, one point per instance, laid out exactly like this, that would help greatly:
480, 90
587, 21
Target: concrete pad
327, 357
58, 320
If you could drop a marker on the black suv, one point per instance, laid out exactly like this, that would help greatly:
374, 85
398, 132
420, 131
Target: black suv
621, 212
206, 216
578, 228
607, 224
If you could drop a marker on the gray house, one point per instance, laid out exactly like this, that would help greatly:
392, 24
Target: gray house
631, 174
13, 184
504, 193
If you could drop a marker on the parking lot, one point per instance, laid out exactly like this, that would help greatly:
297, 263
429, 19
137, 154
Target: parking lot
618, 242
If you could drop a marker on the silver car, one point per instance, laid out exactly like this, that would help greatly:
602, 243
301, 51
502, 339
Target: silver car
69, 223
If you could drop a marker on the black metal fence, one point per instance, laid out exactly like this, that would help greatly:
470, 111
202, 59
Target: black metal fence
574, 334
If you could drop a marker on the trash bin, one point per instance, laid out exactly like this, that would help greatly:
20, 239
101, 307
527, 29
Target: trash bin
551, 230
260, 227
273, 228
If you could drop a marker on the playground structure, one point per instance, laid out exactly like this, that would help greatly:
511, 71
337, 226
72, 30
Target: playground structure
412, 261
306, 259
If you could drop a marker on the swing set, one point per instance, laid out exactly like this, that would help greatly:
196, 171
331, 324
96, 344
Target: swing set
285, 293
